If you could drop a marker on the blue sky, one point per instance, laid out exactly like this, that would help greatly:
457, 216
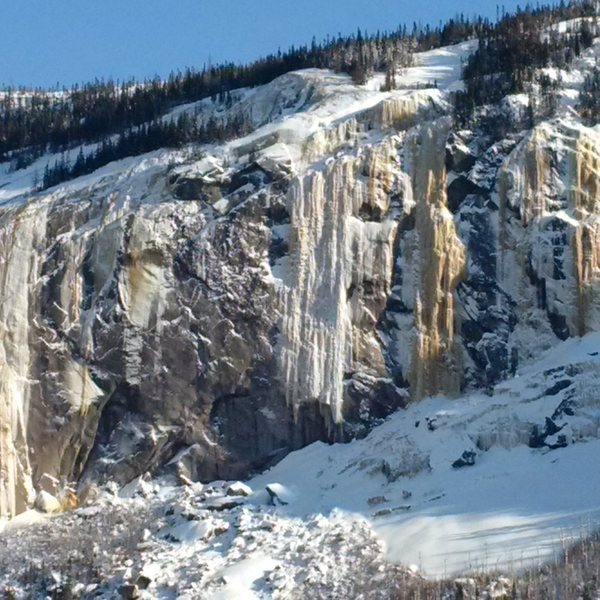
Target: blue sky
43, 42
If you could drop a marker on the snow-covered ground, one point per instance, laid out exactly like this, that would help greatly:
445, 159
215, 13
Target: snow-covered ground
515, 505
327, 513
441, 67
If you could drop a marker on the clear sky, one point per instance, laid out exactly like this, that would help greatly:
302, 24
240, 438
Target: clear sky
43, 42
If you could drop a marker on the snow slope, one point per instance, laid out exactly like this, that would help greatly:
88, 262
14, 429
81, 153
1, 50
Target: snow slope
441, 67
331, 520
516, 505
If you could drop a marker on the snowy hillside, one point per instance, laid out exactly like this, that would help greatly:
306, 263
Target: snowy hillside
481, 482
523, 488
293, 107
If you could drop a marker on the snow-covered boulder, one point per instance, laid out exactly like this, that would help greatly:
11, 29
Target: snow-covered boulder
239, 489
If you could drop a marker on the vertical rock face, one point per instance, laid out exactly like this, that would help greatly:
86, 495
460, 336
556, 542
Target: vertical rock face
439, 267
47, 391
585, 204
337, 276
20, 235
208, 314
551, 182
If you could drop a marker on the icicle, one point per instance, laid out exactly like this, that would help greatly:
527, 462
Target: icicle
326, 322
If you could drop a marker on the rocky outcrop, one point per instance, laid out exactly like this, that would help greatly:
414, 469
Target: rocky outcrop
206, 314
551, 184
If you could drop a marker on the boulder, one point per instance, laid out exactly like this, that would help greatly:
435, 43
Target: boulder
224, 503
239, 489
129, 591
47, 503
467, 459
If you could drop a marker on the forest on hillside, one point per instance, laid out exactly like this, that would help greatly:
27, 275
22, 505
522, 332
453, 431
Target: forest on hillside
509, 56
125, 118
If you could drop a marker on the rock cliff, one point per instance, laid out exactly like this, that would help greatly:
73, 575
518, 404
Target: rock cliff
206, 311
